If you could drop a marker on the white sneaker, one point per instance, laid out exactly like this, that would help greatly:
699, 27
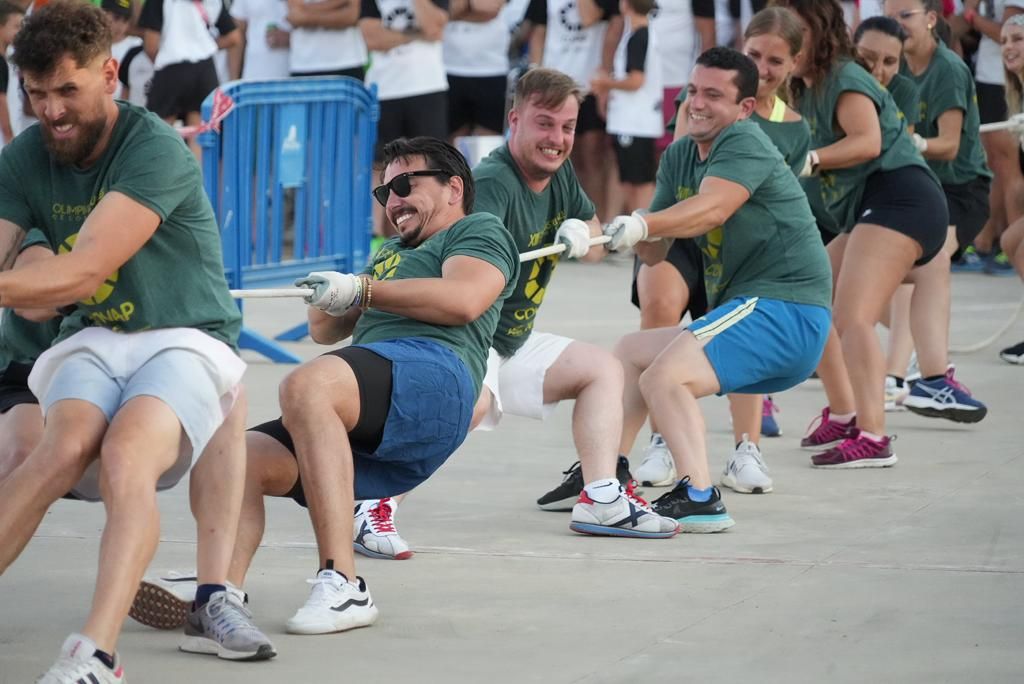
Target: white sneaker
657, 468
164, 601
334, 605
374, 533
894, 394
77, 663
746, 471
627, 516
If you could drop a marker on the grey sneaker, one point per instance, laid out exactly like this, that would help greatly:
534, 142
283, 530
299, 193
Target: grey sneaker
224, 628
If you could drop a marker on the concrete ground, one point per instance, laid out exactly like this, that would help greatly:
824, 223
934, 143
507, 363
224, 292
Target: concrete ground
909, 574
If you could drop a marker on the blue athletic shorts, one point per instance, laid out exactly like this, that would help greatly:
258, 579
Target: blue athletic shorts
761, 346
432, 398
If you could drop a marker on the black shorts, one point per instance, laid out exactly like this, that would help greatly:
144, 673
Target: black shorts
476, 101
636, 159
589, 118
14, 389
408, 117
685, 256
968, 209
908, 201
991, 102
181, 88
358, 73
704, 9
736, 11
373, 375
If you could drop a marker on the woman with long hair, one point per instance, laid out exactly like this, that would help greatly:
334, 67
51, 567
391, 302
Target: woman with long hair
1012, 240
893, 215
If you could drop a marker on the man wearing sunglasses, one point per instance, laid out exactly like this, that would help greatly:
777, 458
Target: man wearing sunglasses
377, 418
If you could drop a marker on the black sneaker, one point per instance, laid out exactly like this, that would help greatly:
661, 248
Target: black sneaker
1014, 354
693, 516
563, 497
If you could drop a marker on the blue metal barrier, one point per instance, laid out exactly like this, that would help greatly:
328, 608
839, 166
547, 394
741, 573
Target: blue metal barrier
289, 178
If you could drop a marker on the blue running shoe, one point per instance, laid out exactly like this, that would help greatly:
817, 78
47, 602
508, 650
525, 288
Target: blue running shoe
971, 261
693, 516
944, 398
769, 428
998, 264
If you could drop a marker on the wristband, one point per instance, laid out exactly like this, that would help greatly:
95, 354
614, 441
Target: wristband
815, 162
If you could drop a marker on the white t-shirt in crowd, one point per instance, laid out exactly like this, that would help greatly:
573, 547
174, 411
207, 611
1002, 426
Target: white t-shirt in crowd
988, 66
185, 28
118, 50
637, 112
674, 20
136, 74
315, 49
473, 48
261, 60
570, 47
416, 68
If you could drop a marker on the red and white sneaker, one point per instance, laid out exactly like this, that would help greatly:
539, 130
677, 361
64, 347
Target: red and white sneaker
827, 431
77, 663
857, 451
627, 516
374, 533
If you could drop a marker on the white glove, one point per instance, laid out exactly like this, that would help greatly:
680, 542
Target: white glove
575, 235
808, 169
333, 293
626, 231
920, 143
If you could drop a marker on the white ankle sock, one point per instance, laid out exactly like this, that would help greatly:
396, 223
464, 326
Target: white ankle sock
604, 491
842, 417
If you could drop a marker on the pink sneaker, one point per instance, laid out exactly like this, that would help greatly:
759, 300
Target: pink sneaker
857, 451
827, 432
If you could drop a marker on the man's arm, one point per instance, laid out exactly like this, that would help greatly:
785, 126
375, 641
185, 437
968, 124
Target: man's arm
151, 43
597, 252
236, 54
717, 200
380, 38
11, 236
330, 14
467, 287
431, 19
31, 255
114, 231
327, 329
6, 132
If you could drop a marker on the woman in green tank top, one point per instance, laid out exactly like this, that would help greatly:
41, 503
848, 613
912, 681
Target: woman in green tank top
879, 190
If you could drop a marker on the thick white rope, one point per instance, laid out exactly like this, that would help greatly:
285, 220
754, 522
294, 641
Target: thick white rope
999, 126
304, 291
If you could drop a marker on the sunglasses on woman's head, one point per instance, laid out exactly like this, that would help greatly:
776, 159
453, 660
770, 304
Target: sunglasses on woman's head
906, 14
401, 185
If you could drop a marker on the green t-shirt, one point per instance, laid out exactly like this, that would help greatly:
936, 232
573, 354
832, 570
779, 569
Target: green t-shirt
480, 236
841, 189
177, 278
947, 84
907, 97
22, 341
770, 247
532, 218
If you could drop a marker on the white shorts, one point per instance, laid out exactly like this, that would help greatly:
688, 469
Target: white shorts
517, 383
196, 375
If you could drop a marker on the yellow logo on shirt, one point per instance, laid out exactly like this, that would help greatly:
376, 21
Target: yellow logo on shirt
385, 269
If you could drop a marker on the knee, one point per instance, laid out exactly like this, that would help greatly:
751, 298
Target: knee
13, 456
123, 474
298, 388
651, 382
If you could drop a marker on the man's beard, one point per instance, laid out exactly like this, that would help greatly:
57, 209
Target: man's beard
412, 238
74, 151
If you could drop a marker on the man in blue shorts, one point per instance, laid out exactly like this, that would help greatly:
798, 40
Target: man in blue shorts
767, 276
377, 418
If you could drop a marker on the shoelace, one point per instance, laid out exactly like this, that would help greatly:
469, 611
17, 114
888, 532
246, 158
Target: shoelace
631, 493
71, 669
228, 615
571, 471
680, 487
956, 383
858, 447
380, 517
324, 592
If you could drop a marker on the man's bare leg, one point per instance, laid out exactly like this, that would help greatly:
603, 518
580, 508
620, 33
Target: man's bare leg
21, 429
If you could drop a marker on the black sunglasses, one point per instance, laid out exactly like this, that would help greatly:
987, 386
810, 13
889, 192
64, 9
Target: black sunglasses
401, 185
